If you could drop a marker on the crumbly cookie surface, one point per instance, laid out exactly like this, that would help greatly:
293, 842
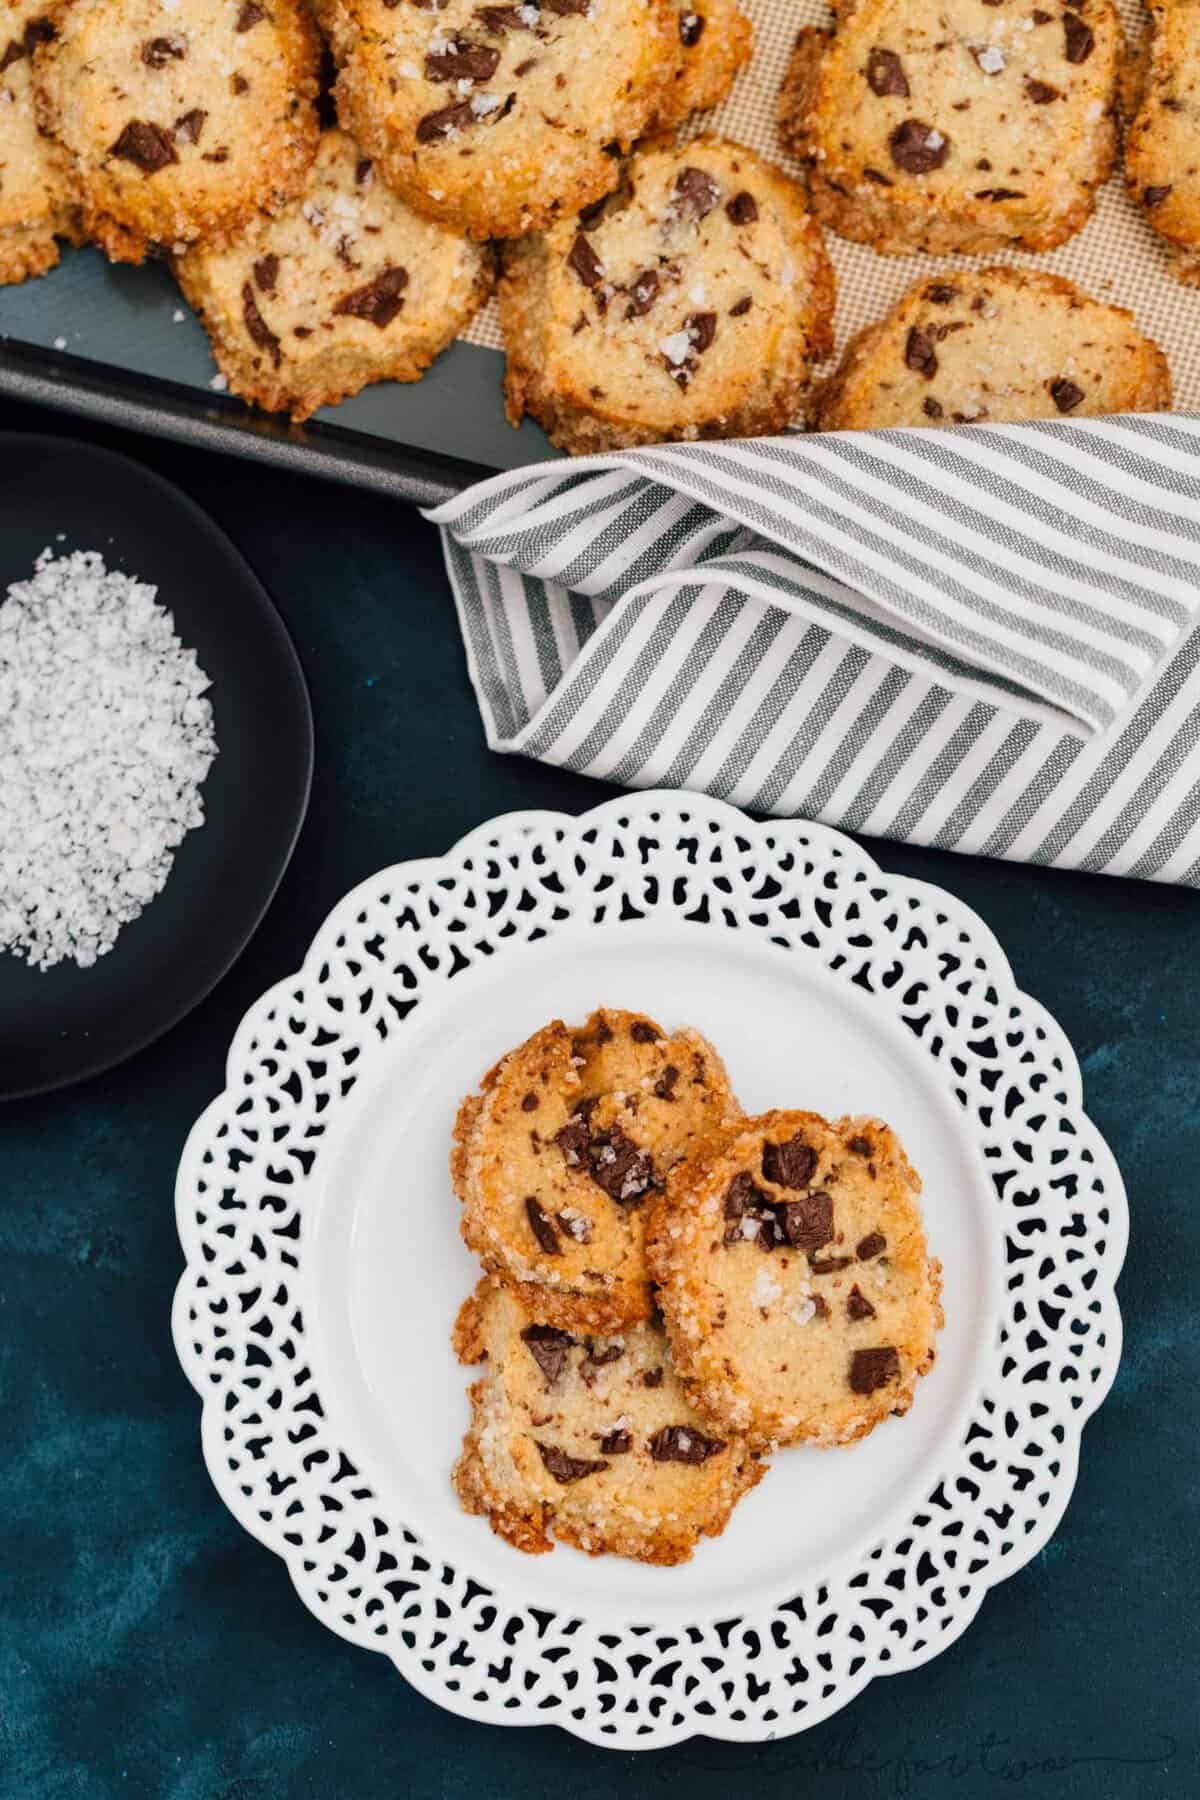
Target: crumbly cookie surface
180, 122
590, 1440
714, 39
344, 286
966, 127
1162, 152
690, 304
555, 1158
35, 206
499, 118
794, 1280
998, 344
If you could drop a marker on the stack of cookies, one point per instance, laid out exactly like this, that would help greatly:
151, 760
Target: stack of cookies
650, 289
672, 1290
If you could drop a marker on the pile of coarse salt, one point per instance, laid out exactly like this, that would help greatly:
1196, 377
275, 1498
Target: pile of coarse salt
105, 740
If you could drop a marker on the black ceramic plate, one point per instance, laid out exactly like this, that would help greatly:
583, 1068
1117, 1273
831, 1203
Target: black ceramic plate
64, 1023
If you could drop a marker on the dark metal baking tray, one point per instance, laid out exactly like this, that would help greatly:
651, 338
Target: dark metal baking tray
118, 343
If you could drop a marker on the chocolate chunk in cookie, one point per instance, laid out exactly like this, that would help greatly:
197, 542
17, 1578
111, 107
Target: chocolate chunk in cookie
808, 1223
684, 1444
871, 1369
147, 146
548, 1347
566, 1469
789, 1165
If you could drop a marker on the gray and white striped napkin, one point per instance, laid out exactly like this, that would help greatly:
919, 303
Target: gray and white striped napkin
987, 639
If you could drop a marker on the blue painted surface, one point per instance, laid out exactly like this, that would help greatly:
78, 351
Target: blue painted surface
149, 1648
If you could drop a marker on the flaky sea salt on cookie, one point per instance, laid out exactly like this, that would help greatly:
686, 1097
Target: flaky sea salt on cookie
35, 203
962, 127
179, 124
499, 118
590, 1440
796, 1288
993, 344
690, 304
555, 1158
344, 286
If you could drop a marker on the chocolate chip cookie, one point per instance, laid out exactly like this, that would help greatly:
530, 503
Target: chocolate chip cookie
35, 194
995, 344
689, 304
497, 119
965, 127
344, 286
796, 1288
556, 1157
180, 118
714, 38
590, 1440
1162, 152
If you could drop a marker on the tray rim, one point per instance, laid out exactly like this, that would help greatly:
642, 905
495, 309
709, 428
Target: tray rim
165, 409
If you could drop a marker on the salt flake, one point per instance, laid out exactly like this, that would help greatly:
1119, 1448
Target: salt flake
676, 348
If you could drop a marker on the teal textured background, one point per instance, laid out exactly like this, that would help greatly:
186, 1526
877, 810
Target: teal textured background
149, 1648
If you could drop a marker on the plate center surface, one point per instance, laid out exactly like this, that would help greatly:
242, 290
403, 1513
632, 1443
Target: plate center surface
385, 1270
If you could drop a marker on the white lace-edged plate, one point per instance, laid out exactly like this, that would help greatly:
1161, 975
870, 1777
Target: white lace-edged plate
324, 1265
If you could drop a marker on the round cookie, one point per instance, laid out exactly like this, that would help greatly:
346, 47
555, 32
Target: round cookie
589, 1440
966, 127
795, 1284
555, 1158
180, 122
996, 344
345, 285
35, 206
497, 119
690, 304
1162, 149
714, 38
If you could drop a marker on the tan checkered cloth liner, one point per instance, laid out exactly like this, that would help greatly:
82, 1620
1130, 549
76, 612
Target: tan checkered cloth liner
1116, 257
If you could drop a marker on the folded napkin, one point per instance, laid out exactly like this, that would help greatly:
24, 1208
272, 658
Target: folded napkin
986, 639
